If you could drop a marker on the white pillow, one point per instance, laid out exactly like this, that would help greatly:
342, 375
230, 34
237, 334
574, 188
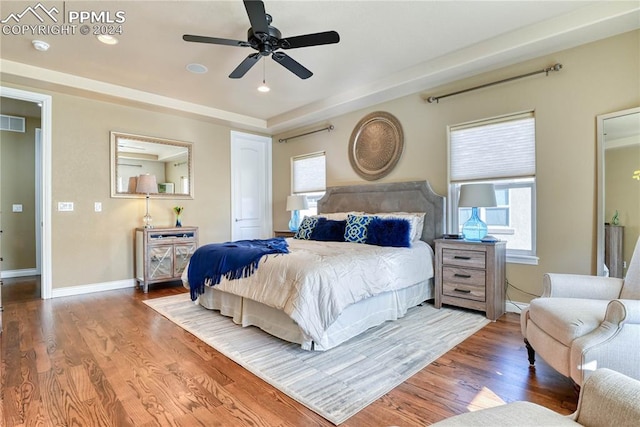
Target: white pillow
339, 216
416, 221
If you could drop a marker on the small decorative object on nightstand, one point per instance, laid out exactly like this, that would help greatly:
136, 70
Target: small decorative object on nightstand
178, 210
471, 275
162, 253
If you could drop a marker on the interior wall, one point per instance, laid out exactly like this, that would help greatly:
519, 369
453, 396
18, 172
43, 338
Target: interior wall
596, 78
17, 181
98, 247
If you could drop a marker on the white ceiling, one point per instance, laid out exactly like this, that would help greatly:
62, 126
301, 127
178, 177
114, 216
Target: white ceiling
387, 49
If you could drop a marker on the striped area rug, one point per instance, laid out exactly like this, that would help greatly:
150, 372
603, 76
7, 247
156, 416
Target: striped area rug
342, 381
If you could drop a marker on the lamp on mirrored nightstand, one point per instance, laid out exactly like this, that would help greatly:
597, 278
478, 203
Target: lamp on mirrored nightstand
295, 204
147, 184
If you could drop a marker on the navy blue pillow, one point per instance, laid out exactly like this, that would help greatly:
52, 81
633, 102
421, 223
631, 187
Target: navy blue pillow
389, 232
328, 230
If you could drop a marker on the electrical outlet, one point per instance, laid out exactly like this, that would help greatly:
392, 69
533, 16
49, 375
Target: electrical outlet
65, 206
97, 206
16, 208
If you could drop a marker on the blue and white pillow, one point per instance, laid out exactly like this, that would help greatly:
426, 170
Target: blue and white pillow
356, 228
306, 228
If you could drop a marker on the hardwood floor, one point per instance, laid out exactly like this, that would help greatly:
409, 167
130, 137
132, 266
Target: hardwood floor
106, 359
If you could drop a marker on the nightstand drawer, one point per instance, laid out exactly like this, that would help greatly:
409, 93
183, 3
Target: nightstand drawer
466, 291
463, 258
463, 276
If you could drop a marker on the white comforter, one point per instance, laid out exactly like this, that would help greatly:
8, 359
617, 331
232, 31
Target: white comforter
316, 281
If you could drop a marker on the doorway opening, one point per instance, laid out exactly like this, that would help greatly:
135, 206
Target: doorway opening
39, 279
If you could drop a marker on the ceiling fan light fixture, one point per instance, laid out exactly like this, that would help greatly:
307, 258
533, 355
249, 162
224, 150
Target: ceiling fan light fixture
263, 87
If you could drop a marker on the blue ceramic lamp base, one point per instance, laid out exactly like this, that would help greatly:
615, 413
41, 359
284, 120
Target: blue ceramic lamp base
474, 229
294, 223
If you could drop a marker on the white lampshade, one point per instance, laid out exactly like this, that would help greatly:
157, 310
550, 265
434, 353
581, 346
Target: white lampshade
477, 196
297, 203
147, 184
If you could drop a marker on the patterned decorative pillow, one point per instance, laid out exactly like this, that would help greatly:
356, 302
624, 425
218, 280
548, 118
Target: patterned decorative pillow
389, 232
306, 228
356, 229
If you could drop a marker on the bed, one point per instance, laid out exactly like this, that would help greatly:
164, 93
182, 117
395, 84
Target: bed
321, 323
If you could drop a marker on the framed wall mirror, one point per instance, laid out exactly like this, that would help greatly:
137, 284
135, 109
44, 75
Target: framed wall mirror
618, 205
168, 160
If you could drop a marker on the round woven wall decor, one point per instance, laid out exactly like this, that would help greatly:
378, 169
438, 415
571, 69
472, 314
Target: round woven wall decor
376, 145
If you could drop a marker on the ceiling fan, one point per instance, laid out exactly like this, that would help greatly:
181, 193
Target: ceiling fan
267, 40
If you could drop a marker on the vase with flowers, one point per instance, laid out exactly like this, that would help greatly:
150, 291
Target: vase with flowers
178, 210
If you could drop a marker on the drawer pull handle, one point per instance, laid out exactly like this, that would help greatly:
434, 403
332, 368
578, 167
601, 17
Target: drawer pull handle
462, 257
462, 291
465, 276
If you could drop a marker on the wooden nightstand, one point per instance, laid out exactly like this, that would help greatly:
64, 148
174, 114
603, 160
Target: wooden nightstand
162, 253
471, 275
284, 233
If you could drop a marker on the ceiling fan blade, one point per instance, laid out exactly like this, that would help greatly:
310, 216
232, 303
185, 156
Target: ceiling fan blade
292, 65
214, 40
316, 39
257, 16
245, 66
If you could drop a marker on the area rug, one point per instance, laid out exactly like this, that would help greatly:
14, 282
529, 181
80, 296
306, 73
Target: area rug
339, 382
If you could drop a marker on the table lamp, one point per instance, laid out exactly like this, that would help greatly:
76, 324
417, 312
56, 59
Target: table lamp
296, 203
474, 196
147, 184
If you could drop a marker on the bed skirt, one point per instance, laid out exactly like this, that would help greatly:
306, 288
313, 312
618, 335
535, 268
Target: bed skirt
354, 320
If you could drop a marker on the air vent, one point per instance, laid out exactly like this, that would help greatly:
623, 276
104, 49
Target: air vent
11, 123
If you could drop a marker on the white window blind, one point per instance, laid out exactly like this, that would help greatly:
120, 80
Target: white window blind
309, 172
495, 149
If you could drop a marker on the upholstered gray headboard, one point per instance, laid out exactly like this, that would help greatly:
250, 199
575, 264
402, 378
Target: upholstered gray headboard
413, 196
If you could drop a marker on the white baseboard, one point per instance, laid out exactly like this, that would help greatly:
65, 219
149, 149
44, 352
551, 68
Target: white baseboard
516, 307
96, 287
9, 274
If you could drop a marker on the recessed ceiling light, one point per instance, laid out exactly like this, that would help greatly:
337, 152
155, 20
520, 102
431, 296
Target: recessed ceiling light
197, 68
40, 45
107, 39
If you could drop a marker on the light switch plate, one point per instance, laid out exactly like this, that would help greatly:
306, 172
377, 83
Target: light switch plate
16, 208
65, 206
97, 206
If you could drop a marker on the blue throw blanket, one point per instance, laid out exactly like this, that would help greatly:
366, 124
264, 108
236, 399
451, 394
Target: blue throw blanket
232, 260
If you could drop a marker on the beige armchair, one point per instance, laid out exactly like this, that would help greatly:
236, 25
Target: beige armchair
608, 398
582, 323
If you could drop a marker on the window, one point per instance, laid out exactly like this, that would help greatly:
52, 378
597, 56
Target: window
308, 177
500, 151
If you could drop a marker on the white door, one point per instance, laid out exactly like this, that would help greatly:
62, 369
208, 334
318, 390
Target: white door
250, 186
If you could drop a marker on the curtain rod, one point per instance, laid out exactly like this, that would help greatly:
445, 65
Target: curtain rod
436, 99
328, 129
